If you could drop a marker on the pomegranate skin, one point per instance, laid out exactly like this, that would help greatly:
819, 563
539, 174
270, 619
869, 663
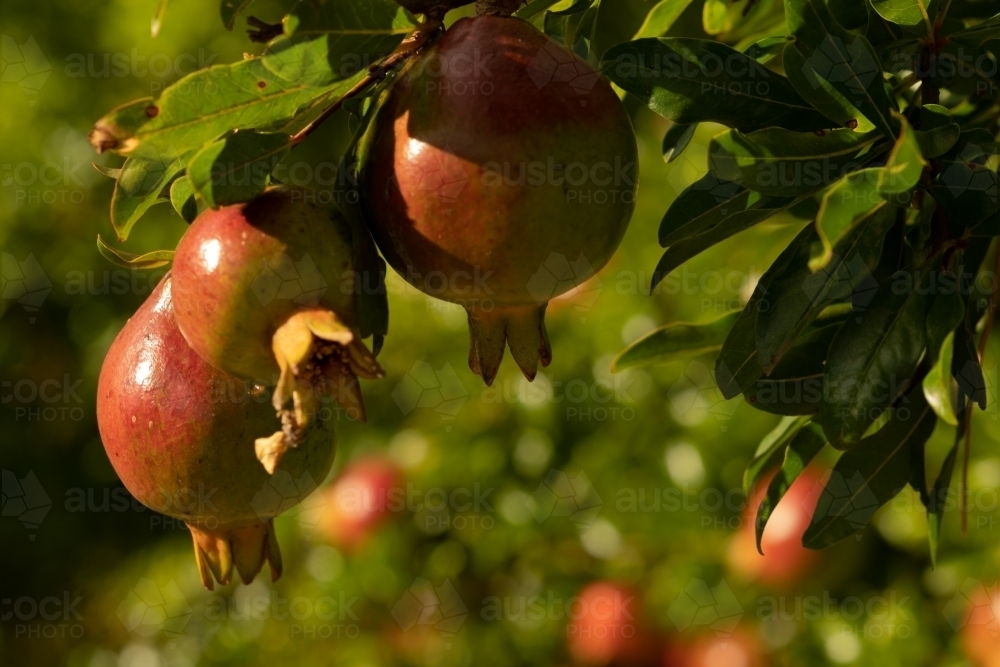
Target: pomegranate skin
180, 434
496, 158
232, 265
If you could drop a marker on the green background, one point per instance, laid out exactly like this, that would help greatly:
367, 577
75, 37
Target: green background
657, 433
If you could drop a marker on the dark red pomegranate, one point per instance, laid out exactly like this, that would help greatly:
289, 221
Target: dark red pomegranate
499, 172
180, 434
266, 291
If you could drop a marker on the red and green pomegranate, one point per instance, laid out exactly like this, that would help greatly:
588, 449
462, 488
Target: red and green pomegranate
266, 291
496, 160
180, 434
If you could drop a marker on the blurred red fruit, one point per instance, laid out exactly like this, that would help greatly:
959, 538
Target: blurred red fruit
737, 650
785, 560
605, 628
981, 632
361, 499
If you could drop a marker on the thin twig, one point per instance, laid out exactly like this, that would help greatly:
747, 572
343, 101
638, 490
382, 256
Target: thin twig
417, 40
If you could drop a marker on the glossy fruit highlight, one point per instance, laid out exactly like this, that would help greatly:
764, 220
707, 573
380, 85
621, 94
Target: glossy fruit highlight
499, 172
180, 434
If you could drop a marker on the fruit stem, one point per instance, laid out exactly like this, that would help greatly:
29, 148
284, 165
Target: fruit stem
418, 39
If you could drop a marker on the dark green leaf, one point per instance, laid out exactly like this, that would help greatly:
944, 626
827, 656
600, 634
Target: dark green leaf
534, 8
738, 365
236, 169
871, 474
978, 34
967, 370
820, 93
851, 200
679, 339
803, 448
676, 140
966, 185
795, 386
903, 167
700, 207
942, 486
772, 444
693, 80
795, 298
909, 13
230, 9
871, 363
137, 188
764, 50
843, 60
779, 162
946, 314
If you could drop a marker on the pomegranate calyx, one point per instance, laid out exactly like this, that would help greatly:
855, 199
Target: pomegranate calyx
247, 547
520, 326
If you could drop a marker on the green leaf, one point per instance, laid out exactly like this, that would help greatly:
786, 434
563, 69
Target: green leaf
731, 224
780, 162
150, 260
937, 383
182, 199
692, 80
230, 9
738, 365
967, 370
676, 140
766, 49
679, 339
157, 21
138, 188
795, 298
795, 386
803, 448
772, 443
534, 8
820, 93
701, 206
661, 17
869, 364
938, 141
842, 59
852, 199
110, 172
236, 169
978, 34
909, 13
903, 168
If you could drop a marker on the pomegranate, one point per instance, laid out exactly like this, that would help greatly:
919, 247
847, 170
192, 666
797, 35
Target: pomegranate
180, 433
266, 291
499, 172
606, 628
362, 498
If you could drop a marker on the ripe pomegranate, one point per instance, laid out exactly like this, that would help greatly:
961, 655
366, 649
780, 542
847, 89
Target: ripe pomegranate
180, 434
605, 627
499, 172
981, 628
359, 501
784, 560
740, 649
266, 291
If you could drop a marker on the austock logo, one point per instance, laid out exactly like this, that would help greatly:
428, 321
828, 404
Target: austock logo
975, 605
284, 278
423, 387
850, 498
25, 499
150, 609
851, 279
24, 65
283, 493
575, 281
560, 495
849, 64
439, 607
554, 64
701, 605
24, 282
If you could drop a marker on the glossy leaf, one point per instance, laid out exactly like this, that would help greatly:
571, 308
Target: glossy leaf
909, 13
766, 49
701, 206
676, 140
126, 260
869, 364
738, 365
779, 162
852, 199
841, 58
138, 188
821, 93
679, 339
693, 80
803, 448
237, 168
661, 17
903, 167
772, 443
795, 298
182, 194
795, 386
871, 474
937, 383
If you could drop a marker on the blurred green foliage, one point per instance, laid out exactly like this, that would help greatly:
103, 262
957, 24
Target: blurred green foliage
658, 456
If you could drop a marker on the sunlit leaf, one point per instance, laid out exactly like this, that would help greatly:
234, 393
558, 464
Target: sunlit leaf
675, 340
803, 448
149, 260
